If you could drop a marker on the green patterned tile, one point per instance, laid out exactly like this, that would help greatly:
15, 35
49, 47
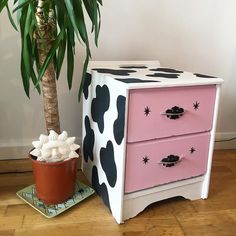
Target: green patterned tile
29, 196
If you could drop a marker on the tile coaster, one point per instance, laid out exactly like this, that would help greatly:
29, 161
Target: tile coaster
29, 196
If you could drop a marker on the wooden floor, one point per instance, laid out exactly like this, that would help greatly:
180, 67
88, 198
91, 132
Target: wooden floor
214, 216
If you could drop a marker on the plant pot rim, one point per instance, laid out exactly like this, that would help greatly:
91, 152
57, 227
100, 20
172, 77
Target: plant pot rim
51, 163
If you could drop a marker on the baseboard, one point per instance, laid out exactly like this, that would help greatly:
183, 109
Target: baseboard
21, 166
14, 152
221, 142
18, 150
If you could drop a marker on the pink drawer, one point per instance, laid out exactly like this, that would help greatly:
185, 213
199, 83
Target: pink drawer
149, 117
187, 158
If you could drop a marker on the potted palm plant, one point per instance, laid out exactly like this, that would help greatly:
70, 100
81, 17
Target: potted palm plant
48, 31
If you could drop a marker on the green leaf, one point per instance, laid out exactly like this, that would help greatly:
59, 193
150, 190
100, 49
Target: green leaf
89, 9
71, 15
18, 13
60, 13
81, 24
35, 55
21, 5
92, 8
97, 21
83, 75
25, 76
10, 18
61, 54
3, 3
55, 62
50, 56
79, 18
99, 26
70, 33
26, 42
35, 82
70, 61
34, 20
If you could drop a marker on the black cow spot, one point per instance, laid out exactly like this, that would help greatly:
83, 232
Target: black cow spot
88, 142
168, 70
163, 75
134, 67
118, 127
100, 105
108, 163
114, 71
87, 82
204, 76
135, 80
101, 189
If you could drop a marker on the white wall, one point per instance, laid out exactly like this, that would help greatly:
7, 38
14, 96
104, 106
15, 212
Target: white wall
197, 36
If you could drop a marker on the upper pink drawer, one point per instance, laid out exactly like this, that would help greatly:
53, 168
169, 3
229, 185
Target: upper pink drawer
163, 112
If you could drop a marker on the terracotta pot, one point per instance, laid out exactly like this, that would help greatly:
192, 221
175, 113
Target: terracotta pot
54, 182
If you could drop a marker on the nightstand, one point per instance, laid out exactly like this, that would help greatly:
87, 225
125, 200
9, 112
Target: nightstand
148, 133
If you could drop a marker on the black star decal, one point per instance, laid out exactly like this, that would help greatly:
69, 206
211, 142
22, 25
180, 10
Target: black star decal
145, 160
196, 105
147, 111
192, 150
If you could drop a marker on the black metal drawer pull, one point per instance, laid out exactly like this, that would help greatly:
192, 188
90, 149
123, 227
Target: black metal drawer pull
170, 161
174, 112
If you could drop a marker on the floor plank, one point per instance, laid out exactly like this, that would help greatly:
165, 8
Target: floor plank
3, 210
205, 223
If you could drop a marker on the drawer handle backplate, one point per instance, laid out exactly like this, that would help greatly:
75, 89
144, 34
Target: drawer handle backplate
170, 161
174, 112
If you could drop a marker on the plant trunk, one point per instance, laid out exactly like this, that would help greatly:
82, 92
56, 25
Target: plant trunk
49, 90
44, 36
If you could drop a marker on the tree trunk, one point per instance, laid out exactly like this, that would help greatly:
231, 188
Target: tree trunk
49, 91
45, 36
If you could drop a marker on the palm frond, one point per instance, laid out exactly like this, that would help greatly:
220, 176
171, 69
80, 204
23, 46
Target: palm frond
69, 17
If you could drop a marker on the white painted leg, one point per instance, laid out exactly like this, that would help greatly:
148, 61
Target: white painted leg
206, 182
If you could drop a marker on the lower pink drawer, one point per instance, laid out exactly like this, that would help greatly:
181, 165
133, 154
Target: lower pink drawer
183, 157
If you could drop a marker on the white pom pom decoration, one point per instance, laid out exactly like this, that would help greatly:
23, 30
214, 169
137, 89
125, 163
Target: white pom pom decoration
40, 158
63, 136
46, 153
35, 152
73, 154
37, 144
63, 150
54, 148
43, 138
74, 147
70, 140
52, 135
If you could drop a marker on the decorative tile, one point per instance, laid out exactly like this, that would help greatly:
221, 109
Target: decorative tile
28, 195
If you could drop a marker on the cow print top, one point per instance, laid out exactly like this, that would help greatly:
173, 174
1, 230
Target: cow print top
140, 74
